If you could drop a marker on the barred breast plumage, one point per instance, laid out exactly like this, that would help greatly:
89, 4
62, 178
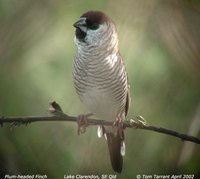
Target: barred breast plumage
100, 77
101, 83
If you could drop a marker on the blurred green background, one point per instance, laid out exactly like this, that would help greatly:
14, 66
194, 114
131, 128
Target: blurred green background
160, 43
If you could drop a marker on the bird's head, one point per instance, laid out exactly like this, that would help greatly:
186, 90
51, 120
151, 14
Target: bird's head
94, 28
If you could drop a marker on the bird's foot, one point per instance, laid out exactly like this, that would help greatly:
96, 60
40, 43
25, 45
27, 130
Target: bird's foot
120, 127
119, 122
82, 121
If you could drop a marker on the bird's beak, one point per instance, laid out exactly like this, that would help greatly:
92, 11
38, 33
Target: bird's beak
81, 24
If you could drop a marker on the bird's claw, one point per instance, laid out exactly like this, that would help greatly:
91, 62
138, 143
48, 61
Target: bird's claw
119, 123
120, 126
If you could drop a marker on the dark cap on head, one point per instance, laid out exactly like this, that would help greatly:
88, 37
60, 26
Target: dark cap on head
95, 17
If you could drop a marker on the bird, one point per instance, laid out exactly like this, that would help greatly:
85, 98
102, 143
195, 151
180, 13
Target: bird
100, 79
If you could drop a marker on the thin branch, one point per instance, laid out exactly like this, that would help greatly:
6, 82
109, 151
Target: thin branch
58, 115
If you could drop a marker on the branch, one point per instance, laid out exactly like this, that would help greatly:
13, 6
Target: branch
58, 115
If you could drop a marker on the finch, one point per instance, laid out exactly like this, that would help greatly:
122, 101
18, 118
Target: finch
100, 78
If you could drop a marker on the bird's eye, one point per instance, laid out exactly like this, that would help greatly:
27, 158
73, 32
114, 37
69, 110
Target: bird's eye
94, 26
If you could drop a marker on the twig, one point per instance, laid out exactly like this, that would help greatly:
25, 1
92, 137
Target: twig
55, 109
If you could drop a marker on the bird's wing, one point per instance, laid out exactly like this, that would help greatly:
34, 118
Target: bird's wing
128, 101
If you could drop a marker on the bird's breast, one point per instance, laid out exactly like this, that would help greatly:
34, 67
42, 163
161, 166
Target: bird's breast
101, 85
100, 102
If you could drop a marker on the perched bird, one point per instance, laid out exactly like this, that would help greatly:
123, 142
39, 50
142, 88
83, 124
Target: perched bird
100, 78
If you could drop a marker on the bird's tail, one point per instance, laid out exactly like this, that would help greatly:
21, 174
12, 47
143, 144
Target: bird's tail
116, 148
